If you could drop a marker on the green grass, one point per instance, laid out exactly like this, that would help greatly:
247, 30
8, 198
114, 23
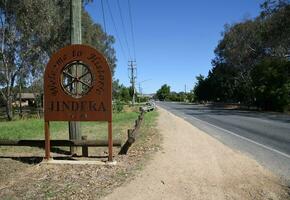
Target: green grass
34, 128
27, 129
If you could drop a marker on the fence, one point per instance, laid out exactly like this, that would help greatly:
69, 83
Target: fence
133, 133
84, 143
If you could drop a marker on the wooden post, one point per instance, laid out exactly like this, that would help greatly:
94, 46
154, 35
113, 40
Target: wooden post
110, 141
76, 38
85, 150
131, 138
47, 140
20, 98
129, 142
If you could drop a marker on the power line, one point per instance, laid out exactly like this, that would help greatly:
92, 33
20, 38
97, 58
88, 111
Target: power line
116, 30
123, 28
132, 76
132, 32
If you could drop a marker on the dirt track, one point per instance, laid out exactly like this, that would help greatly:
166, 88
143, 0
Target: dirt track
193, 165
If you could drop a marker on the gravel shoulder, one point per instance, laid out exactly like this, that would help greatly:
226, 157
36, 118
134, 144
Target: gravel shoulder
193, 165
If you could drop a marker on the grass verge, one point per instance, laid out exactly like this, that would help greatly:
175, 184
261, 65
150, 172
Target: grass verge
80, 181
34, 128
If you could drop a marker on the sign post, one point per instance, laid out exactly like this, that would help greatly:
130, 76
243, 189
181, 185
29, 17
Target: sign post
76, 38
63, 98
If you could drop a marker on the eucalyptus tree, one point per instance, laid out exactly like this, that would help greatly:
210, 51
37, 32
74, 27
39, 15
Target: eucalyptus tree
251, 60
30, 32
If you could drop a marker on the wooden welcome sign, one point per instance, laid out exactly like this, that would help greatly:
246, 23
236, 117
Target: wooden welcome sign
77, 87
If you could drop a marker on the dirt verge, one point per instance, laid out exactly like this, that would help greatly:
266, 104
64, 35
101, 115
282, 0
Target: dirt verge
193, 165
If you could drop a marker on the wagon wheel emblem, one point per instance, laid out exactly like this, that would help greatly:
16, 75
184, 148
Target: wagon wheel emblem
76, 79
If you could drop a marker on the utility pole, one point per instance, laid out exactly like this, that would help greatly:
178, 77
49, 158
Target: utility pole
140, 89
132, 76
185, 98
20, 96
76, 38
140, 92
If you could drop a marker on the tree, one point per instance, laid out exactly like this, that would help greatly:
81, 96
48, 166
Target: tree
247, 54
271, 80
191, 96
240, 49
93, 34
202, 89
276, 37
30, 31
163, 92
19, 54
120, 92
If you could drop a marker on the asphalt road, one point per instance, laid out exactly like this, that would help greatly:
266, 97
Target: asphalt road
262, 136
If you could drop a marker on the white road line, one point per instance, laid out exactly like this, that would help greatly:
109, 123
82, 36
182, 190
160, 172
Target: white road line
241, 137
244, 138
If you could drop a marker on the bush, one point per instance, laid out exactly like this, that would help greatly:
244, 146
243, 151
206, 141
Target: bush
118, 106
271, 81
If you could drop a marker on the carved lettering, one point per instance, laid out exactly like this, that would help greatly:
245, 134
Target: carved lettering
100, 87
65, 106
102, 107
93, 58
83, 106
59, 61
96, 60
88, 105
76, 53
93, 106
75, 106
101, 77
52, 84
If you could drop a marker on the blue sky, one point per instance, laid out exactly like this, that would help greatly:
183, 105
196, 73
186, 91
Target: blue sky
174, 39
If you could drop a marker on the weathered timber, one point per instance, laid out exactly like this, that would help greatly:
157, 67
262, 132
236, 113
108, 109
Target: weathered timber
128, 143
76, 38
40, 143
132, 135
85, 149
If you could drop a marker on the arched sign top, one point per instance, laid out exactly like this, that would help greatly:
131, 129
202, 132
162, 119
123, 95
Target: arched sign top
78, 86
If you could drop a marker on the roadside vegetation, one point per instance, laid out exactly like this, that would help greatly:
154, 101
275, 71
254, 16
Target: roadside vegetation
252, 63
31, 31
165, 94
36, 181
34, 128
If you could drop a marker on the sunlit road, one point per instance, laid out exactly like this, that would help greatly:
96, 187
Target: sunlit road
263, 136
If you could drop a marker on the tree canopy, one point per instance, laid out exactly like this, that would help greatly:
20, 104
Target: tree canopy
30, 31
163, 92
252, 61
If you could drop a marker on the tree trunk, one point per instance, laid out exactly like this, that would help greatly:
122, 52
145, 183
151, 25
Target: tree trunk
9, 112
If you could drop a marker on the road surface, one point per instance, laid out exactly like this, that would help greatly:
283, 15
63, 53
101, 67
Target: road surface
263, 136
